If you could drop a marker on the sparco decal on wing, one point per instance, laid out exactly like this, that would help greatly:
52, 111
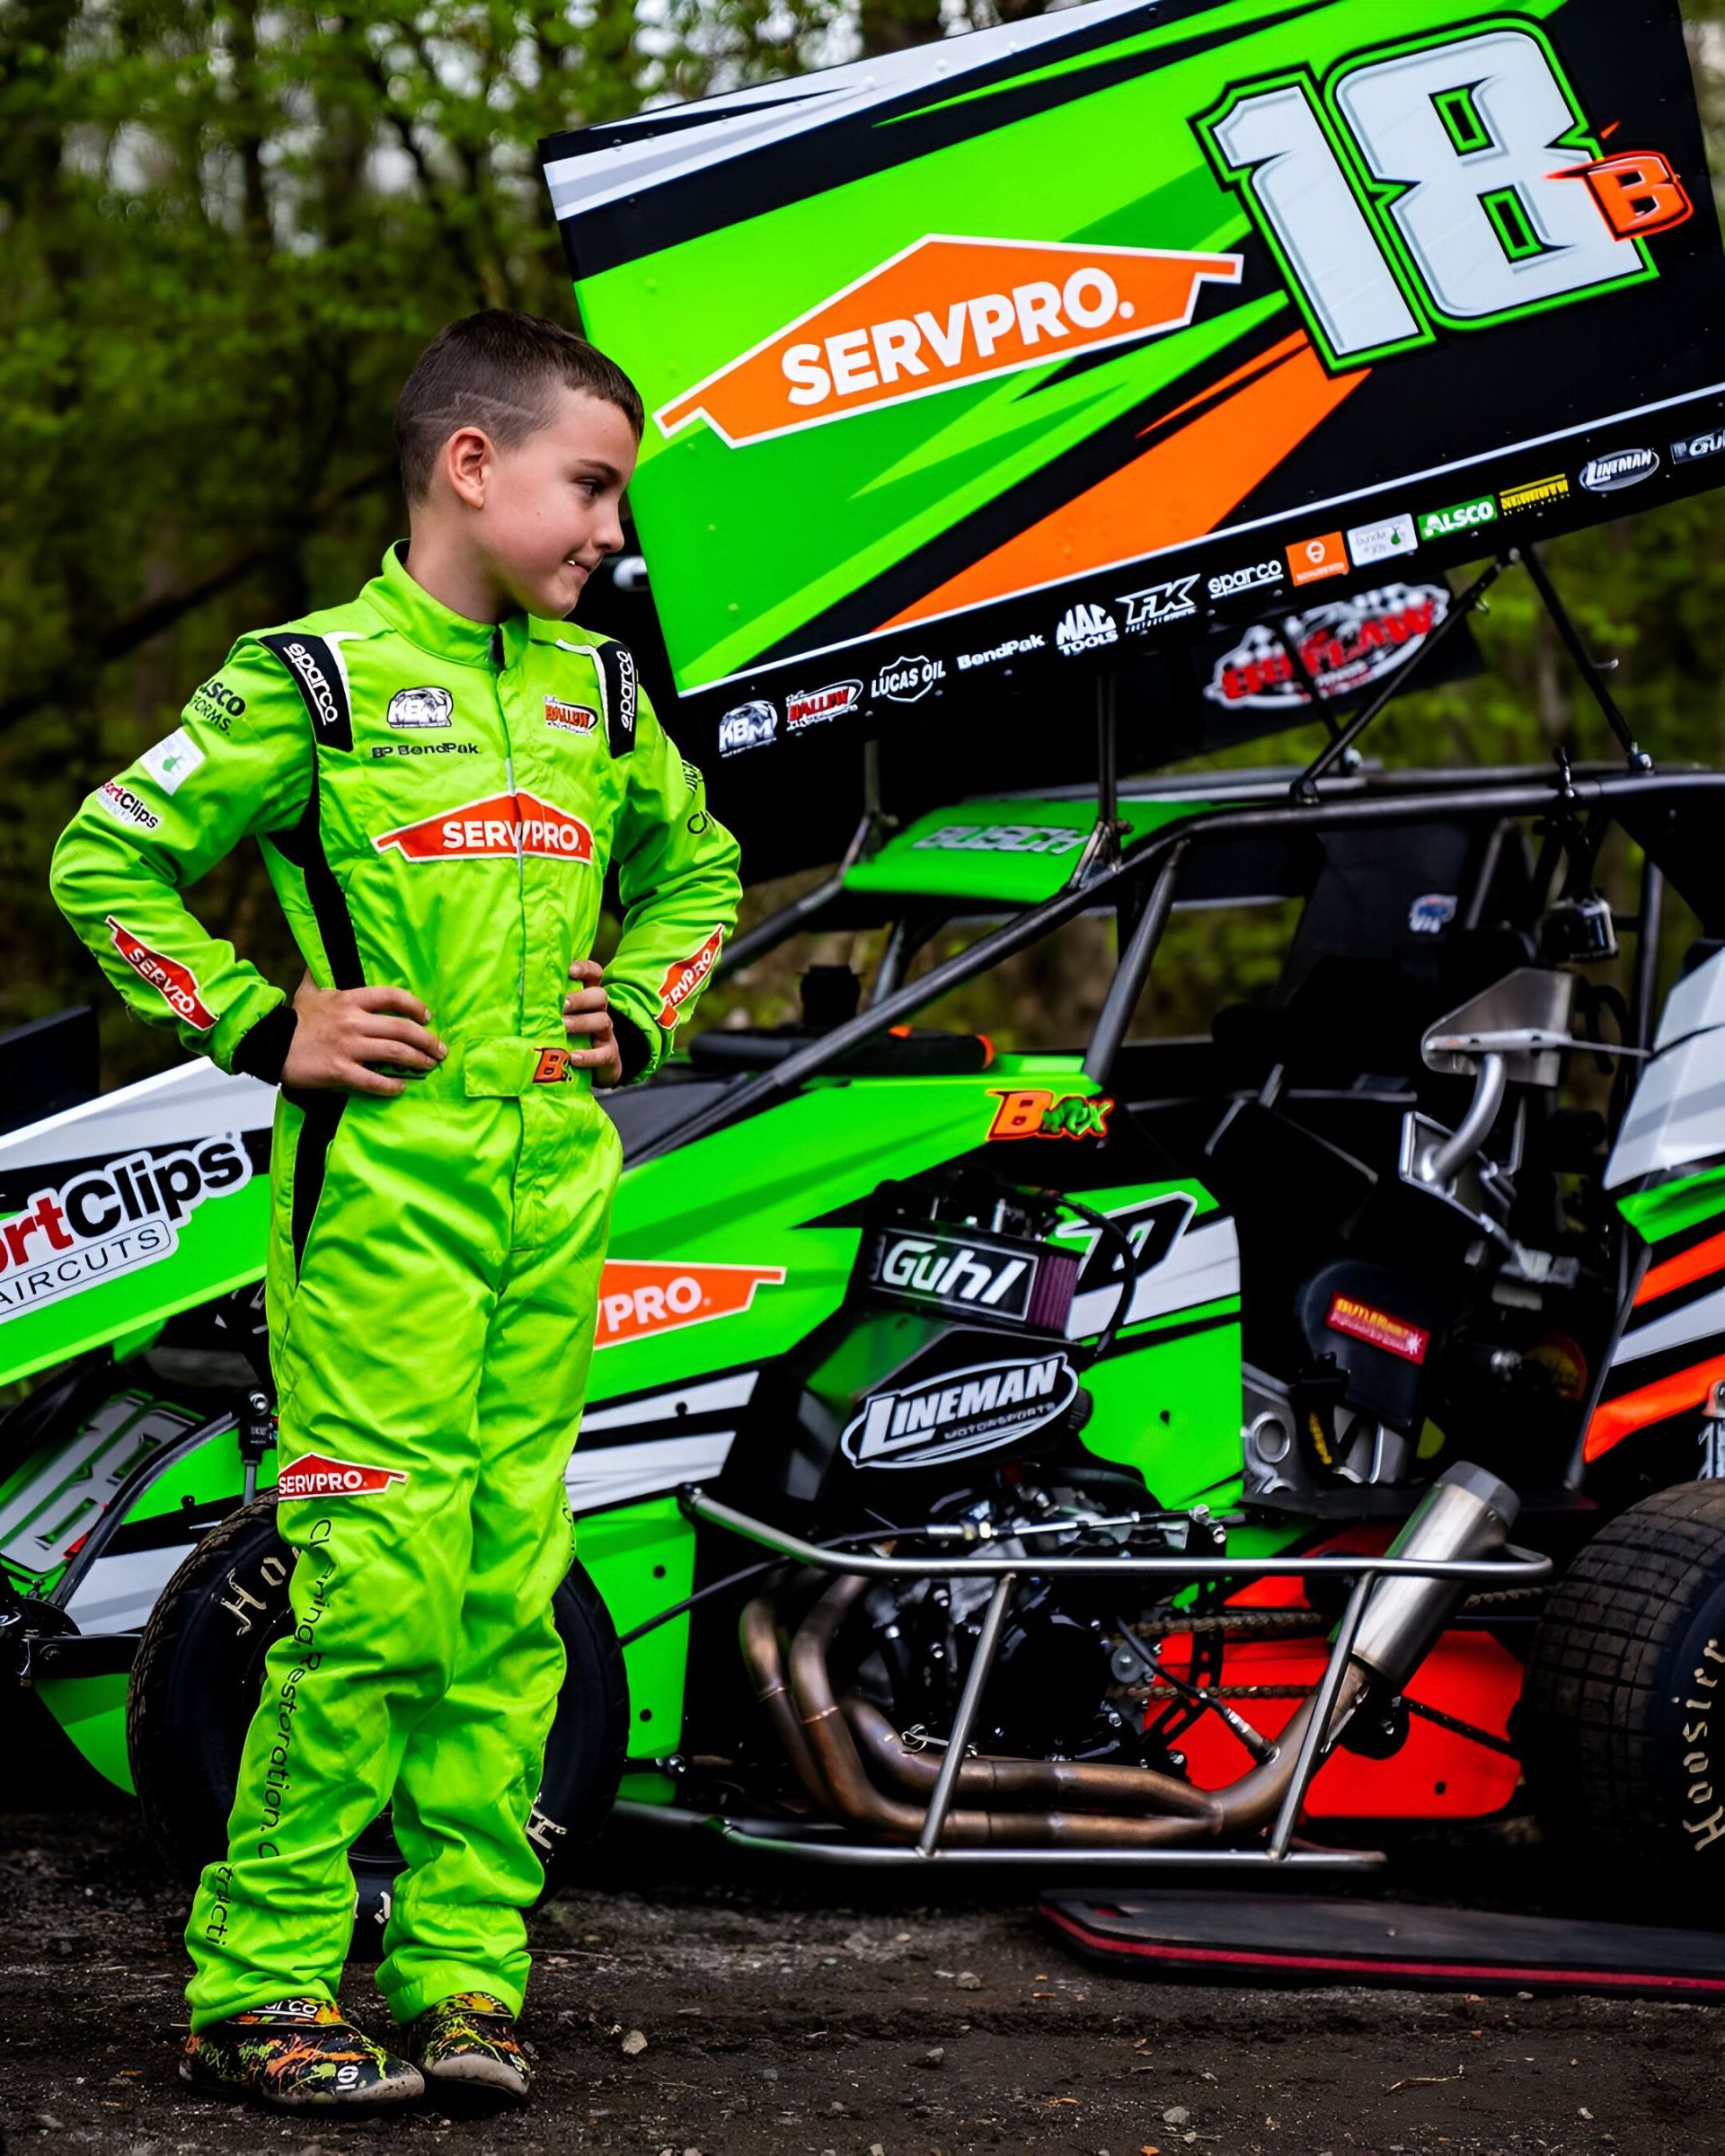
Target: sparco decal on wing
960, 1411
1347, 647
500, 827
108, 1220
813, 707
638, 1299
943, 312
682, 979
313, 1475
175, 984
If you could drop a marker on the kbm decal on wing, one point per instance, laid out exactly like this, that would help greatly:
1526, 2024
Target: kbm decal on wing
311, 1475
503, 825
109, 1219
175, 984
1347, 647
960, 1411
685, 977
637, 1299
1033, 1113
942, 312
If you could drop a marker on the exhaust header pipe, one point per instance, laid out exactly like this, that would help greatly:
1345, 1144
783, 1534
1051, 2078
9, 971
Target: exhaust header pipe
1466, 1513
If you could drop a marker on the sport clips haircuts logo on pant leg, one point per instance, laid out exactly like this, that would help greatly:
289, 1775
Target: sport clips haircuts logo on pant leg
108, 1220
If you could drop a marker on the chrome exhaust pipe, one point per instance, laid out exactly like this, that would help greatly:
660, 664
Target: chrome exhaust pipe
1465, 1514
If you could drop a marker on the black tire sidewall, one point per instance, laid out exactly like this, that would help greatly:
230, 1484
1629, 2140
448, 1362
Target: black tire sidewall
1686, 1732
197, 1682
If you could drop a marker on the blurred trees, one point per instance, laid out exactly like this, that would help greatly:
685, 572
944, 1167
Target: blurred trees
226, 232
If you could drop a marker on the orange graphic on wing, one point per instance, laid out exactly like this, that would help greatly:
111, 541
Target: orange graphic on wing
638, 1298
945, 312
1180, 489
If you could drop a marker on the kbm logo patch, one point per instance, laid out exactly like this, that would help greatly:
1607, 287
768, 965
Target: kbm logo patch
312, 1475
942, 312
1032, 1112
682, 979
638, 1299
175, 984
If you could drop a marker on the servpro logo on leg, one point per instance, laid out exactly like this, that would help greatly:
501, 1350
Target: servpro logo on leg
312, 1475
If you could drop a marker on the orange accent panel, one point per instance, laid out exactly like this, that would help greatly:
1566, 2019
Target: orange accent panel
1677, 1272
1615, 1420
1249, 372
1183, 486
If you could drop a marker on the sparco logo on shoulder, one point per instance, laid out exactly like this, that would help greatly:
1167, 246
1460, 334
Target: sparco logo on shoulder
958, 1412
317, 686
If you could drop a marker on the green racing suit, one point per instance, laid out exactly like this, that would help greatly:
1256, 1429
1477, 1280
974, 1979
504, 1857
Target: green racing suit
436, 801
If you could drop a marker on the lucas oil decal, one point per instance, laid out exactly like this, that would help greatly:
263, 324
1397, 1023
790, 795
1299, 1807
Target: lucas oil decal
944, 312
108, 1220
311, 1475
1347, 648
175, 984
1032, 1112
496, 828
638, 1299
682, 979
957, 1412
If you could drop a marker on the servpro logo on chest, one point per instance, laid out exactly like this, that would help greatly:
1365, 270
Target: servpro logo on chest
500, 827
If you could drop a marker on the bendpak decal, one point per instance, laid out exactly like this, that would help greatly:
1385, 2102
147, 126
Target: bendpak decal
1034, 1113
638, 1299
958, 1412
1378, 1329
175, 984
943, 312
570, 717
108, 1220
1348, 646
496, 828
312, 1475
682, 979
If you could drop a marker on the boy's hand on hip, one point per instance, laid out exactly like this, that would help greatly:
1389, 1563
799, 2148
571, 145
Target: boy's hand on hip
341, 1031
587, 1019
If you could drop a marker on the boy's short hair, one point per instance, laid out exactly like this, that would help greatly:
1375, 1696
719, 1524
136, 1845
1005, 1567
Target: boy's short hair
496, 370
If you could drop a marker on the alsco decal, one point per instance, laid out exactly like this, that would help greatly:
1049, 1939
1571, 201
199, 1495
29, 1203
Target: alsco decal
940, 313
570, 717
78, 1233
1378, 1329
638, 1300
682, 979
496, 828
311, 1475
175, 984
1035, 1113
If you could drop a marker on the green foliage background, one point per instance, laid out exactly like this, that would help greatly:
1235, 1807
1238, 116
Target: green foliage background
226, 230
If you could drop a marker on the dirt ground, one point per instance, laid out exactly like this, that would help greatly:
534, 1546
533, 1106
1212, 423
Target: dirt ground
701, 2003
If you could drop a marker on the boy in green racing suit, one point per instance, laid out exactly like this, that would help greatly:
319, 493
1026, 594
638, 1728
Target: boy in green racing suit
438, 774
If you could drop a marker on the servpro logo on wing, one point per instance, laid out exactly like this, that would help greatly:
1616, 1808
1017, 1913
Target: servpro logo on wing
637, 1299
313, 1476
175, 984
499, 828
942, 312
682, 979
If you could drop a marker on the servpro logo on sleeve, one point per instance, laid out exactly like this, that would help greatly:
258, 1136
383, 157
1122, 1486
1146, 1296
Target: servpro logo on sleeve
311, 1475
175, 984
496, 828
682, 979
943, 313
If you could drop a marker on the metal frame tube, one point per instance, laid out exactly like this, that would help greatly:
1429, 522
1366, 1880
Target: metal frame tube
946, 1781
1314, 1738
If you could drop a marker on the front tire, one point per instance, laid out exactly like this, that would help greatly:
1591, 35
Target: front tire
199, 1670
1624, 1708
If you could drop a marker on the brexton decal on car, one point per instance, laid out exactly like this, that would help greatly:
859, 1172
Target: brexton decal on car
175, 984
311, 1475
107, 1220
957, 1412
502, 825
942, 311
685, 977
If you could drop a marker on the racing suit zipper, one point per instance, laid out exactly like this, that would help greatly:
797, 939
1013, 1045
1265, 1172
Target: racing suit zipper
520, 851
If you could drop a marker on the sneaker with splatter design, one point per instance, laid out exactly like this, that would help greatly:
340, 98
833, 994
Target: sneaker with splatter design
296, 2052
469, 2041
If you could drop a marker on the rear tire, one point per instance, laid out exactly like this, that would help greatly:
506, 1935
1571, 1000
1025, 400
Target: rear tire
1624, 1729
199, 1670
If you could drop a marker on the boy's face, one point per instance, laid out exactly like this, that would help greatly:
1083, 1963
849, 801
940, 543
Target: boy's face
551, 508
